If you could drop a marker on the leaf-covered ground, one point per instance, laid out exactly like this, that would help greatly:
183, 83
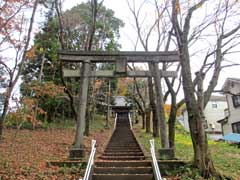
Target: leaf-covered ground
25, 155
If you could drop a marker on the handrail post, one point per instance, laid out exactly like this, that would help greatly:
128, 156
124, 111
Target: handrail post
156, 170
130, 120
90, 161
115, 122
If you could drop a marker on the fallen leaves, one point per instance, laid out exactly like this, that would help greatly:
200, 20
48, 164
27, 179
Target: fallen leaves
25, 157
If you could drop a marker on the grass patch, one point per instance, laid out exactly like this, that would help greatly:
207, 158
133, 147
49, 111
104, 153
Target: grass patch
99, 122
59, 124
226, 157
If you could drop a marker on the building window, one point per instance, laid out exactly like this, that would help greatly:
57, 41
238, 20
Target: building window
214, 104
236, 127
236, 101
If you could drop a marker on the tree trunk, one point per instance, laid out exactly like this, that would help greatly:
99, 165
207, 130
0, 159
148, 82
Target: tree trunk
148, 120
41, 68
88, 47
143, 120
1, 129
93, 102
153, 67
172, 122
13, 80
87, 123
155, 123
153, 107
195, 108
135, 116
173, 114
4, 112
202, 158
62, 43
89, 107
108, 104
3, 116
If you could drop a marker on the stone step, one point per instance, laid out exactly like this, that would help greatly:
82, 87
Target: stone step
120, 158
123, 177
123, 153
120, 141
123, 163
123, 146
123, 157
124, 138
123, 149
123, 170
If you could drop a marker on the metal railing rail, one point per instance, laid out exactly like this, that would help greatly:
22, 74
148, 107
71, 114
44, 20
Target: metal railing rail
115, 122
130, 120
90, 161
156, 170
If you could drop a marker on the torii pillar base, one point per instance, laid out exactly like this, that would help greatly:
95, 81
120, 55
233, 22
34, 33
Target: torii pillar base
77, 153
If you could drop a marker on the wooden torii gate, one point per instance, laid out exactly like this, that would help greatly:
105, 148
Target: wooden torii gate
120, 59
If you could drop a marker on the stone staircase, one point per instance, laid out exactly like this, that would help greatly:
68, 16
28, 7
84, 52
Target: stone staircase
123, 158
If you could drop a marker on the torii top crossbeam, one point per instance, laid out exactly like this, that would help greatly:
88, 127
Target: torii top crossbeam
128, 56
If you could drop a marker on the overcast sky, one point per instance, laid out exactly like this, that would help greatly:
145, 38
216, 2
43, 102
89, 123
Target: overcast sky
122, 12
128, 34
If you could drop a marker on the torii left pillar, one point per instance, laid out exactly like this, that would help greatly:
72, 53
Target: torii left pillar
78, 149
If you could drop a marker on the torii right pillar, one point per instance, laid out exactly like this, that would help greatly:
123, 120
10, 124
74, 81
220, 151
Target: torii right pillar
165, 152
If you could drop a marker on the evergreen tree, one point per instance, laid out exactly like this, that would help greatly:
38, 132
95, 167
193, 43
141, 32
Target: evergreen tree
43, 65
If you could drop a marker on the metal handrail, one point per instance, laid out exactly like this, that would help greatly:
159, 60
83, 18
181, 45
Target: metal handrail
156, 170
130, 120
90, 161
115, 122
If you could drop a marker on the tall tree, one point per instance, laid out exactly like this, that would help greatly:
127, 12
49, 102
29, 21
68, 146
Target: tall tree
19, 43
92, 39
225, 41
173, 92
144, 36
67, 30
